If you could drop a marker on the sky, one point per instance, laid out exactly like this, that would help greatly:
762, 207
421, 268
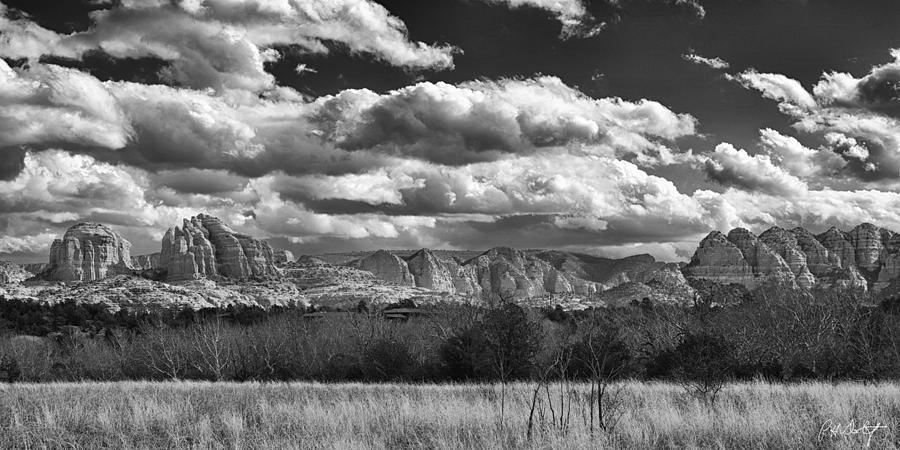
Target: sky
613, 127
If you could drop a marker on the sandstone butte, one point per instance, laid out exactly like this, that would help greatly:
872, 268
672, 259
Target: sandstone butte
865, 258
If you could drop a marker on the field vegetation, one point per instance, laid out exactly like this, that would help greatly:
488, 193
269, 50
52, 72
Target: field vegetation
747, 415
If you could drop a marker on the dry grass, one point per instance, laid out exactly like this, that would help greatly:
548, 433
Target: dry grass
306, 415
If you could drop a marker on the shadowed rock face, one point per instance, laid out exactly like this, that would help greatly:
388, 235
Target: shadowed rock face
204, 247
386, 266
87, 252
865, 258
718, 259
430, 272
146, 262
785, 244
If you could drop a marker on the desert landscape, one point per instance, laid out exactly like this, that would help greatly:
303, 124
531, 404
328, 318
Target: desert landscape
454, 224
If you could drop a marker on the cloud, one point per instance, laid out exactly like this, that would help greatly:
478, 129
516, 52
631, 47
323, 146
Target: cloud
481, 120
46, 105
223, 44
158, 127
757, 173
814, 209
572, 14
857, 119
199, 181
714, 63
798, 159
22, 38
877, 92
794, 98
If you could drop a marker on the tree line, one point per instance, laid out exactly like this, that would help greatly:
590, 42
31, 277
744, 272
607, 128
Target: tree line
772, 333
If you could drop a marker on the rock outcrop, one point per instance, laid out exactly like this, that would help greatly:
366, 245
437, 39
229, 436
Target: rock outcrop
785, 244
432, 273
839, 247
146, 262
868, 245
866, 258
12, 273
500, 273
87, 252
718, 259
665, 285
506, 273
283, 257
204, 247
386, 266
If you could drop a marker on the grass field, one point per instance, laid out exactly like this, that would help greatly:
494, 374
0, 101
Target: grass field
306, 415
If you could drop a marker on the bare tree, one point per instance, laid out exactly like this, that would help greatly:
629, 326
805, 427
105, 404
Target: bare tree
208, 340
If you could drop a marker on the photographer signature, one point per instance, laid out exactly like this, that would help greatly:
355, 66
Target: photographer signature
833, 428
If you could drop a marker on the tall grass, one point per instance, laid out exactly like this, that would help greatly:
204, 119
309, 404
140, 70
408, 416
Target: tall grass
391, 416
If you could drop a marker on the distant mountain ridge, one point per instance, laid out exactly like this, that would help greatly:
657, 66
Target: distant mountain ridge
204, 262
866, 258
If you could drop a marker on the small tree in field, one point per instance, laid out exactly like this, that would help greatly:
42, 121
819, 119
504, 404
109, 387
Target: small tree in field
511, 342
607, 358
9, 369
704, 364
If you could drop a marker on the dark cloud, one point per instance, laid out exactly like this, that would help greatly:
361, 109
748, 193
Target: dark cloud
12, 161
199, 181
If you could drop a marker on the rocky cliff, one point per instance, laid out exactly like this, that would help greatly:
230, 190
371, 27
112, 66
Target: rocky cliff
87, 252
145, 262
865, 258
386, 266
204, 247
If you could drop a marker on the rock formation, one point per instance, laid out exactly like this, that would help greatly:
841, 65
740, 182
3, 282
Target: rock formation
839, 247
785, 244
868, 245
718, 259
506, 273
11, 273
432, 273
204, 247
386, 266
500, 273
87, 252
283, 257
145, 262
867, 257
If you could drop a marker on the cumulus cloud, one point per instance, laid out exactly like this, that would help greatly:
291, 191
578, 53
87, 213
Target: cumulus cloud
22, 38
756, 173
858, 119
814, 209
799, 160
793, 97
46, 104
223, 44
476, 121
158, 127
713, 63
